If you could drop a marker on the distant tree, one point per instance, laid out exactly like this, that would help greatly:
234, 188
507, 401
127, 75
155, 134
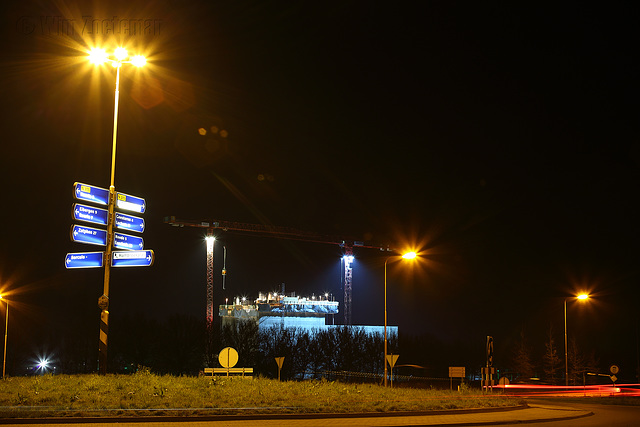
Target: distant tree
278, 342
580, 363
521, 361
550, 360
244, 337
180, 346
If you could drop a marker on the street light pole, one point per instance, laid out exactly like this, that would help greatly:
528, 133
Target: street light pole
104, 313
581, 297
384, 360
408, 255
99, 56
6, 329
566, 359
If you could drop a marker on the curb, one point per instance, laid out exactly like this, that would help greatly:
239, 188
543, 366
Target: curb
248, 417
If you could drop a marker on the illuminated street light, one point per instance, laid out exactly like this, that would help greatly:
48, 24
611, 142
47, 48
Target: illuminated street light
139, 61
581, 297
408, 255
99, 56
121, 54
6, 329
43, 365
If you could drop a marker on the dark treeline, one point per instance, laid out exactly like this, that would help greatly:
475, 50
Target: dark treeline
178, 346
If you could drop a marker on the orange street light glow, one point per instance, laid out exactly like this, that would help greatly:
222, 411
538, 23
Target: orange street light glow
98, 56
139, 60
409, 255
121, 54
583, 296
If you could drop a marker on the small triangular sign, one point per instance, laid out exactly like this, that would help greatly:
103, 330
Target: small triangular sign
392, 358
279, 361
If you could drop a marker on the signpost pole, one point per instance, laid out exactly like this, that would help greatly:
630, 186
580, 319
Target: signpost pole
104, 314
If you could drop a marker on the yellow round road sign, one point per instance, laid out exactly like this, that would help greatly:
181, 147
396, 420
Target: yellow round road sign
614, 369
228, 357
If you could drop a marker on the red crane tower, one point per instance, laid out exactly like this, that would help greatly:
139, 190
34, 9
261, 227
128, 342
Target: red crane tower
280, 233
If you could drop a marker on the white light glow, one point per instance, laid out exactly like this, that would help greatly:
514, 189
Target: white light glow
128, 206
210, 240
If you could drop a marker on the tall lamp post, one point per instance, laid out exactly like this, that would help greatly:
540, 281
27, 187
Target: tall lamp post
6, 329
408, 255
581, 297
119, 57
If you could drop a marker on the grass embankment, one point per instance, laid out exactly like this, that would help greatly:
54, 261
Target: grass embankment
148, 394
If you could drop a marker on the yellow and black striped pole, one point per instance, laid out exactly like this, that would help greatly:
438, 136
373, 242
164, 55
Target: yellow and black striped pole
103, 301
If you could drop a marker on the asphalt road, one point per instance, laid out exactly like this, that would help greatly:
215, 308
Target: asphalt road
546, 413
603, 415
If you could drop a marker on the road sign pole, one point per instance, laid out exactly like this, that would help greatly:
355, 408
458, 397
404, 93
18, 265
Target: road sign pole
104, 313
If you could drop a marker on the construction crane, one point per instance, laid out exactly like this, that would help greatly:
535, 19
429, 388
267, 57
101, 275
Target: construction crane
280, 233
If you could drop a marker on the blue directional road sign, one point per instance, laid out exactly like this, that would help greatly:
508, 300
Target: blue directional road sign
131, 258
126, 241
84, 260
89, 214
130, 203
129, 222
92, 236
89, 193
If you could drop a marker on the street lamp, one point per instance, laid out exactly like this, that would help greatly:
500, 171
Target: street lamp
6, 329
120, 56
581, 297
408, 255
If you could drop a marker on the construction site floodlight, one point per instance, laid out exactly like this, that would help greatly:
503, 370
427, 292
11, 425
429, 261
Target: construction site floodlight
348, 258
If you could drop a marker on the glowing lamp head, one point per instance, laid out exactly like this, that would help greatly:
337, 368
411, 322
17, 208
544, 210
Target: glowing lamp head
121, 54
98, 56
43, 364
583, 297
139, 61
348, 259
409, 255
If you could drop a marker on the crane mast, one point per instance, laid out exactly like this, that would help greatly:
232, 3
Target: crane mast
280, 233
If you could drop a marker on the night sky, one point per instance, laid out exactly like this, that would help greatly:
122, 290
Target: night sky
499, 139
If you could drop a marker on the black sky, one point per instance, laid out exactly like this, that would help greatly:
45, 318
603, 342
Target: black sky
500, 137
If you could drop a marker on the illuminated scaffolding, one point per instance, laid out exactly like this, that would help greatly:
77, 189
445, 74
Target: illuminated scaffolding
347, 259
280, 233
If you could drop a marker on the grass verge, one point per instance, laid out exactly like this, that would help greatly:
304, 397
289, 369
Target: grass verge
148, 394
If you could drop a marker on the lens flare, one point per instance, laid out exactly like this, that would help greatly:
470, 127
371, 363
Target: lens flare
139, 61
98, 56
